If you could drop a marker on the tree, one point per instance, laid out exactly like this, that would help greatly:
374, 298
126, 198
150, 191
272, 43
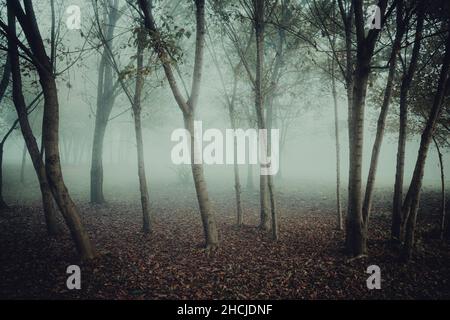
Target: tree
411, 203
141, 37
106, 95
45, 70
365, 46
50, 212
4, 82
188, 107
381, 123
397, 218
230, 99
135, 101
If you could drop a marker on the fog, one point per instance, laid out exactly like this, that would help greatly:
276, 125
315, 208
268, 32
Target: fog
308, 156
221, 149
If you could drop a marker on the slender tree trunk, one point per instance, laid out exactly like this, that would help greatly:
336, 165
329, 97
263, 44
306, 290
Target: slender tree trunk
270, 102
50, 130
231, 113
54, 173
356, 242
237, 183
411, 203
259, 105
24, 161
397, 217
365, 46
273, 209
250, 185
208, 219
441, 168
3, 205
355, 235
139, 140
30, 141
367, 205
188, 108
141, 173
237, 189
4, 82
281, 168
97, 159
105, 102
338, 152
348, 21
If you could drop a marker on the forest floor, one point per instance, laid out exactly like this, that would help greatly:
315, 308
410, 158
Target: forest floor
306, 263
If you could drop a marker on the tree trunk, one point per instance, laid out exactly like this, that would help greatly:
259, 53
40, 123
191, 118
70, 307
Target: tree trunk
355, 237
97, 159
139, 140
54, 173
3, 205
105, 102
441, 168
50, 130
231, 113
24, 161
141, 173
273, 209
367, 205
53, 228
250, 185
338, 152
411, 203
4, 82
188, 108
397, 216
208, 219
237, 183
237, 189
259, 105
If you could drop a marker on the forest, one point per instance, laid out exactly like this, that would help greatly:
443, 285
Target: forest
224, 149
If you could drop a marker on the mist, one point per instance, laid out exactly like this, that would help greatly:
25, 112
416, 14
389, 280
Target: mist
93, 92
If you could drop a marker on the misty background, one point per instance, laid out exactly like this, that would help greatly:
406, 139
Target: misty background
308, 156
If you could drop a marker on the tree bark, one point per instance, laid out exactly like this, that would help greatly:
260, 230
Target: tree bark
105, 103
355, 235
259, 106
237, 182
400, 29
232, 115
139, 140
208, 218
397, 217
250, 185
441, 169
188, 108
3, 205
24, 161
411, 203
4, 82
53, 228
338, 153
50, 130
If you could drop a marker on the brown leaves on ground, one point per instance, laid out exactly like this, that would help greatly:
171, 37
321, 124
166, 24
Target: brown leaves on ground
306, 263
